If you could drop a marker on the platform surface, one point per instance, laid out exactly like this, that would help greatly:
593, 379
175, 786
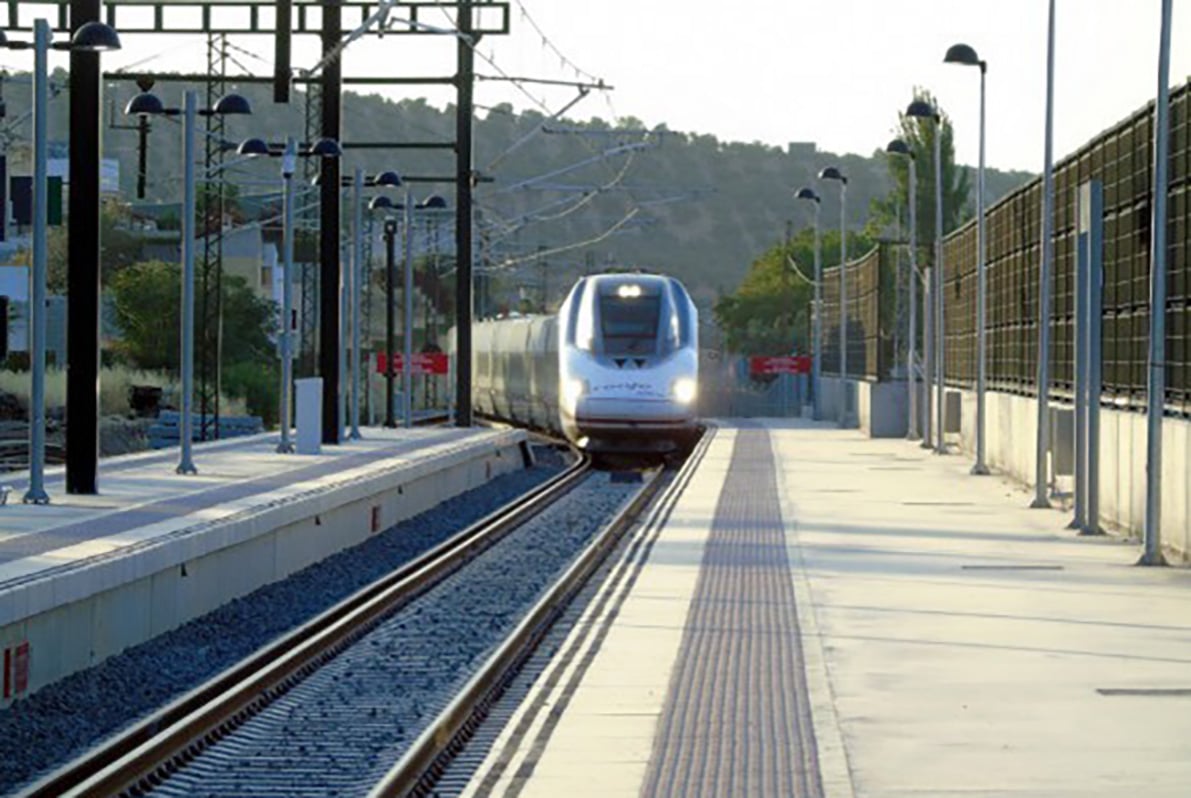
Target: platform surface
954, 642
141, 497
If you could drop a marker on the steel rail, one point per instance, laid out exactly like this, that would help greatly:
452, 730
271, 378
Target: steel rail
424, 761
146, 754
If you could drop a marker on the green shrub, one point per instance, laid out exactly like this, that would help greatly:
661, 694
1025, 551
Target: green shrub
259, 385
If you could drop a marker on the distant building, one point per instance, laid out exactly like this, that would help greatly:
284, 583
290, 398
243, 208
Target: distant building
245, 254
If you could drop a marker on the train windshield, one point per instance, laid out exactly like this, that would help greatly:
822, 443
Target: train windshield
629, 323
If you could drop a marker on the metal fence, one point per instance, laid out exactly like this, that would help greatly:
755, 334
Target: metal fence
1122, 159
727, 389
872, 317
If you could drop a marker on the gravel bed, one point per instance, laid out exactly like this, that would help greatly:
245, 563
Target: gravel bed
342, 728
61, 720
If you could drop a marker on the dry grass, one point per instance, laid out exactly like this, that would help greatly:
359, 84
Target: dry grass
114, 385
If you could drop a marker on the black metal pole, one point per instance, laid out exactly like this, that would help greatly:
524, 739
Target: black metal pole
464, 180
330, 274
142, 156
390, 333
82, 274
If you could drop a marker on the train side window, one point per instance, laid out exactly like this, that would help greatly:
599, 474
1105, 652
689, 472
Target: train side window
585, 323
682, 307
573, 304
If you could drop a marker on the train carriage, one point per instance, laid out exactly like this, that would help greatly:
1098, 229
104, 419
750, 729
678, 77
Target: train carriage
615, 371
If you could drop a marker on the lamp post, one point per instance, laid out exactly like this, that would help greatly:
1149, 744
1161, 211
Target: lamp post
432, 203
289, 152
920, 109
148, 104
1042, 440
90, 37
384, 203
899, 148
817, 318
1156, 384
408, 207
832, 173
966, 56
358, 182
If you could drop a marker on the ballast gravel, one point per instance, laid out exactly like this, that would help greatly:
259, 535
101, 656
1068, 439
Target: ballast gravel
338, 731
61, 720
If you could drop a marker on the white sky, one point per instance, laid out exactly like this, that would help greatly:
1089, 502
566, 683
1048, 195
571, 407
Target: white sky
835, 72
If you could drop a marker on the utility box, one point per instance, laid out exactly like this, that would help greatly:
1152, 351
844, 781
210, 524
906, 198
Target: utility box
309, 415
952, 407
1062, 441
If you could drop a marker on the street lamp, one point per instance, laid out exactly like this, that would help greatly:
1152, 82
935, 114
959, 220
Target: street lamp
289, 152
966, 56
386, 179
900, 148
408, 207
816, 334
1156, 379
1042, 440
920, 109
92, 37
227, 105
832, 173
351, 394
383, 203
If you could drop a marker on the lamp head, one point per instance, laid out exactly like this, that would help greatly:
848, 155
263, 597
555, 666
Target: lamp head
921, 109
253, 147
232, 104
326, 148
95, 37
899, 147
380, 203
963, 54
806, 194
388, 179
832, 173
144, 104
433, 202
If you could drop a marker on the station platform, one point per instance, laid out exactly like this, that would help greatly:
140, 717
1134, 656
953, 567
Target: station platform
84, 577
822, 614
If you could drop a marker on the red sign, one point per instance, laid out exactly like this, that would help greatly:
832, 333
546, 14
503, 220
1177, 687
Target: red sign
782, 364
421, 363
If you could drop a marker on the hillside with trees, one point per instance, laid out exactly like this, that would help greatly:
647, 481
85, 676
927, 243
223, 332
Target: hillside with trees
604, 194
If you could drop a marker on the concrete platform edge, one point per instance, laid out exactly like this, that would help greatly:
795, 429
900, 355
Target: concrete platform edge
77, 615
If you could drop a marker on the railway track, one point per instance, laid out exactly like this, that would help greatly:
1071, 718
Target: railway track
155, 753
441, 759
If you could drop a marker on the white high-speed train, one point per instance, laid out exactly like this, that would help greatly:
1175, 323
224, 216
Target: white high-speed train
616, 371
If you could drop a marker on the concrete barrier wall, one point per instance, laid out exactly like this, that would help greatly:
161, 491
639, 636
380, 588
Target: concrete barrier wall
74, 620
883, 409
829, 403
1010, 438
878, 408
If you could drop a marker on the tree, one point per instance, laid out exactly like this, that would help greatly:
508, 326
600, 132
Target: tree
146, 299
249, 324
120, 247
919, 134
770, 312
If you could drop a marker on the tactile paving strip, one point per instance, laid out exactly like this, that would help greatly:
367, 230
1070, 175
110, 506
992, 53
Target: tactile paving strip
737, 721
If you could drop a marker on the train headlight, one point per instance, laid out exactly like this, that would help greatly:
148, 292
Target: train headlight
573, 390
684, 390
